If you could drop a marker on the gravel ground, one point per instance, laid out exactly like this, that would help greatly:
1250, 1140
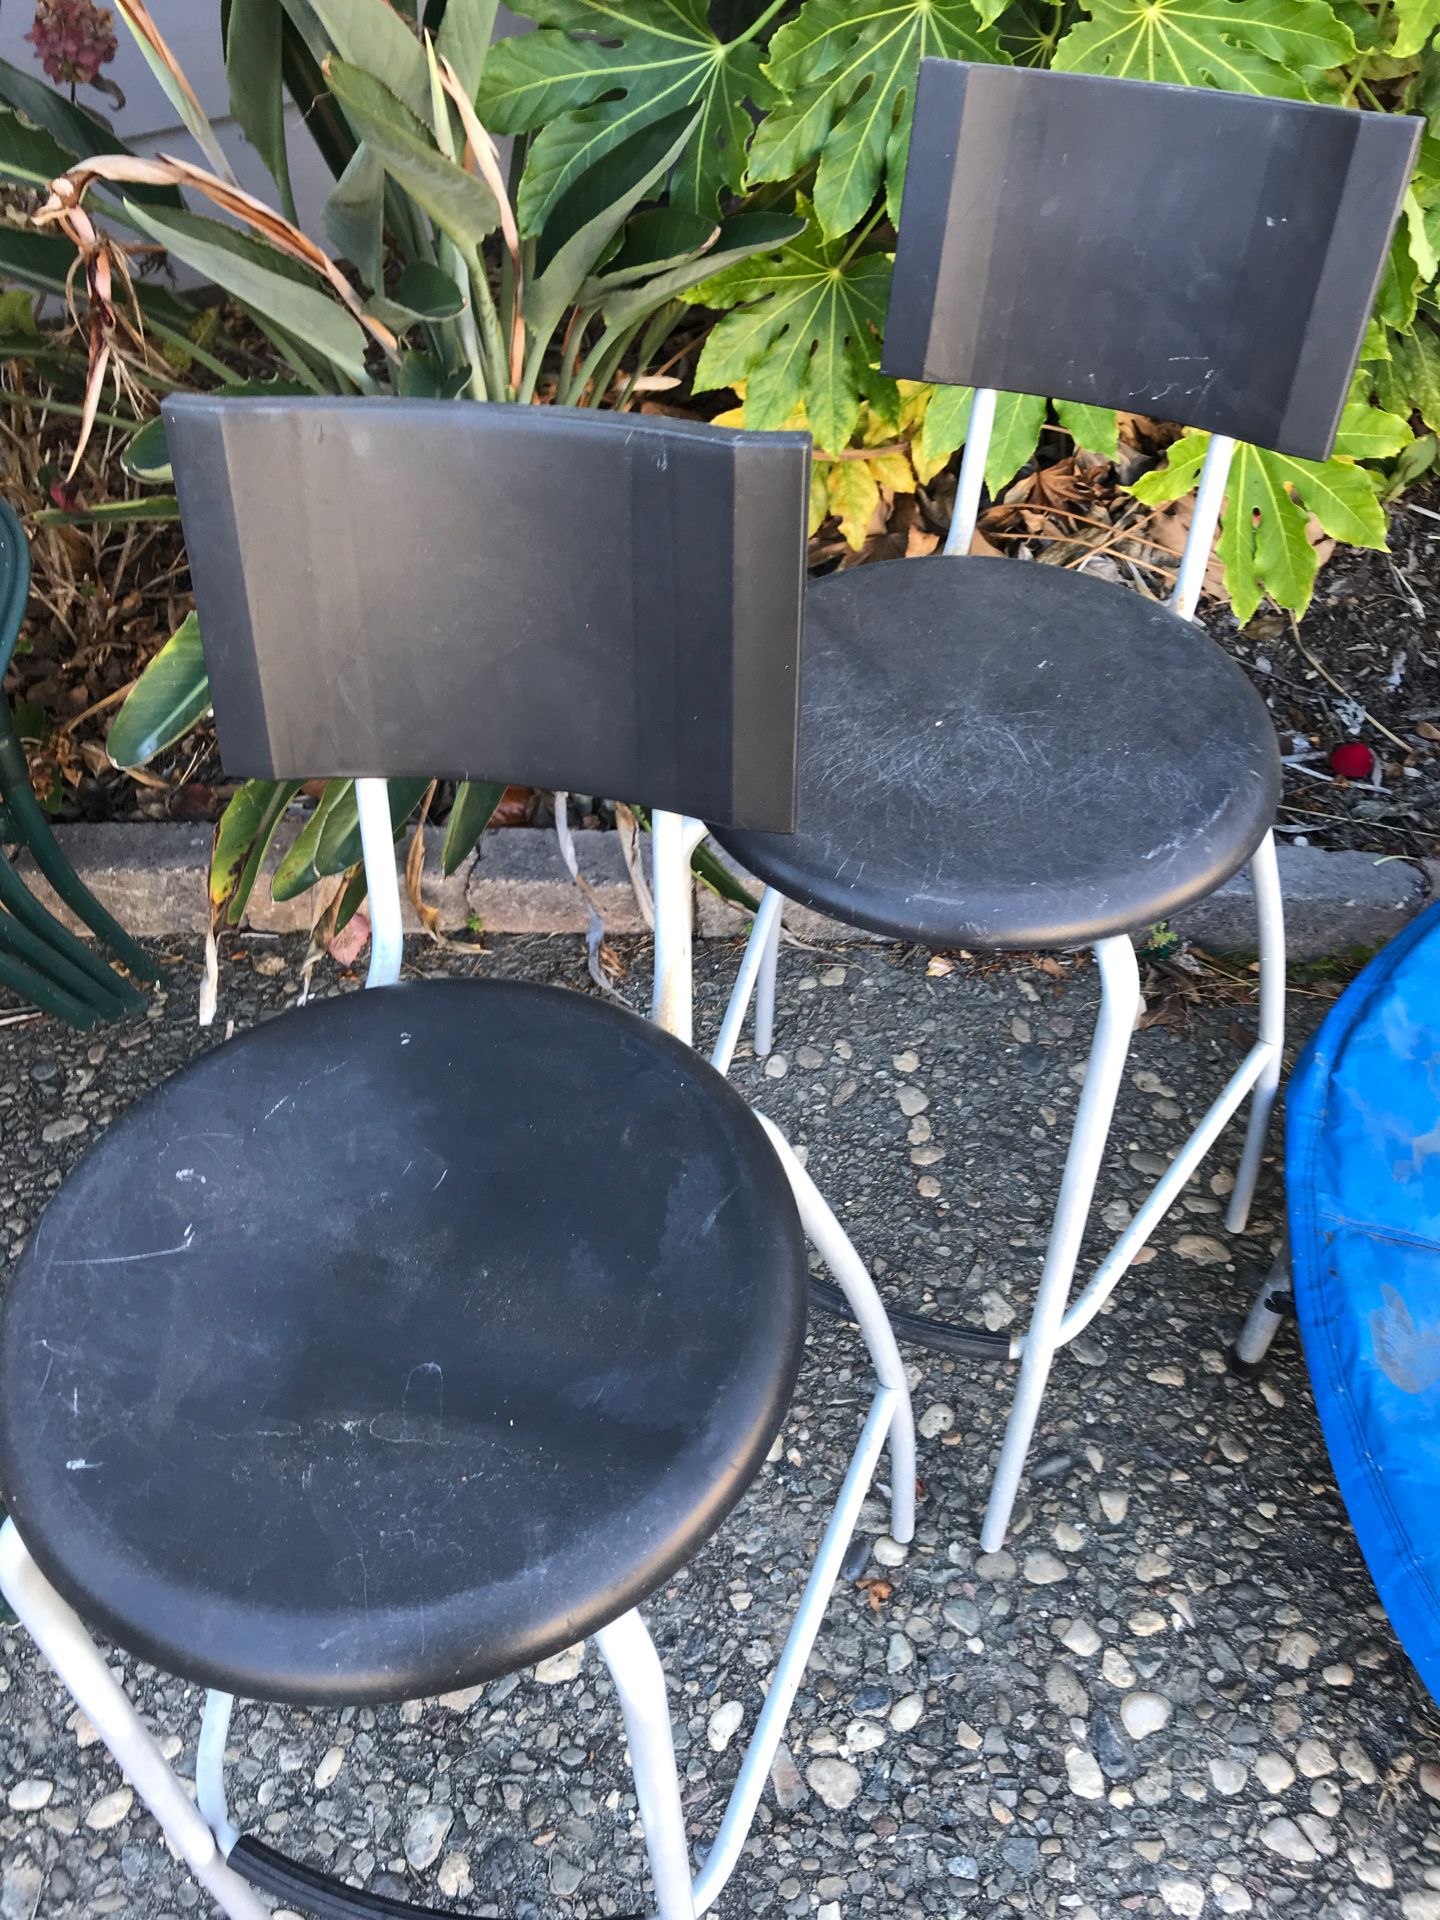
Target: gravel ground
1174, 1693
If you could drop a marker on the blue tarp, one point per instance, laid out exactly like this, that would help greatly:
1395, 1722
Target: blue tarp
1363, 1174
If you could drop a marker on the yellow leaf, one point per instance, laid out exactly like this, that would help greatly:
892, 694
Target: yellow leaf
893, 470
853, 497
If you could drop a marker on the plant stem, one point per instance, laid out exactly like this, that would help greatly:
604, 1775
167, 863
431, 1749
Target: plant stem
496, 358
863, 235
67, 407
656, 332
757, 26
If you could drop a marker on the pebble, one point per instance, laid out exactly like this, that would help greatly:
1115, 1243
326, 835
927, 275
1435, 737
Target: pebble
1228, 1776
1114, 1504
935, 1420
1142, 1714
995, 1566
1285, 1838
1297, 1650
835, 1780
560, 1667
863, 1736
899, 1654
1081, 1638
1423, 1904
1044, 1569
1147, 1622
1429, 1779
1274, 1772
1314, 1759
906, 1062
906, 1712
1184, 1897
1203, 1250
453, 1877
1371, 1868
833, 977
110, 1811
1340, 1674
724, 1724
1064, 1691
426, 1835
1117, 1670
789, 1789
912, 1100
329, 1768
1167, 1376
889, 1553
1082, 1770
28, 1796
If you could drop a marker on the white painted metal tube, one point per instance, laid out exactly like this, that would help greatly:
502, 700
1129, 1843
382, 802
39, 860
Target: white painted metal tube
766, 915
1163, 1194
673, 838
972, 471
63, 1640
377, 842
853, 1278
765, 992
1119, 1006
1270, 915
1262, 1322
790, 1670
1205, 516
210, 1794
639, 1678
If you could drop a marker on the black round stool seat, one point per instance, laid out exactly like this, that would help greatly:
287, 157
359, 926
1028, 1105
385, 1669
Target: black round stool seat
996, 754
400, 1342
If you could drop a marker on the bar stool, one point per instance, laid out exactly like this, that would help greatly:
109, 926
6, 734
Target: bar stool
1015, 756
345, 1368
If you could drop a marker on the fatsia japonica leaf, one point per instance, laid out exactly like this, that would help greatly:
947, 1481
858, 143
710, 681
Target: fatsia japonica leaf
805, 330
846, 70
1284, 47
600, 70
1264, 543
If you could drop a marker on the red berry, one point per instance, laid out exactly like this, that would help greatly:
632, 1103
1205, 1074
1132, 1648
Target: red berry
1352, 761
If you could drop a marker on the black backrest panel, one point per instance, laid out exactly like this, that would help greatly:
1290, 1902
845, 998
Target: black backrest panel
608, 603
1207, 257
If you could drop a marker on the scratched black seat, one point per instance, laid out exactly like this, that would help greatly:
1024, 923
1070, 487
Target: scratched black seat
416, 1335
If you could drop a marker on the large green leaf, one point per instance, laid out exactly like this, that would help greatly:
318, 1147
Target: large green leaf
28, 154
254, 46
242, 839
329, 843
1282, 47
459, 203
168, 699
355, 215
1096, 429
178, 92
464, 39
591, 213
1264, 545
263, 279
80, 134
599, 70
737, 239
846, 69
112, 513
475, 802
370, 35
805, 332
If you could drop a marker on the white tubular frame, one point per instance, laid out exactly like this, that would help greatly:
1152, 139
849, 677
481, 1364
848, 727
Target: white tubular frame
377, 843
1204, 518
978, 433
61, 1637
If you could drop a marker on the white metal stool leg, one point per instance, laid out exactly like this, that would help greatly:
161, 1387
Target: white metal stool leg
752, 961
852, 1276
1119, 1005
1270, 913
639, 1678
61, 1637
765, 991
1262, 1322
